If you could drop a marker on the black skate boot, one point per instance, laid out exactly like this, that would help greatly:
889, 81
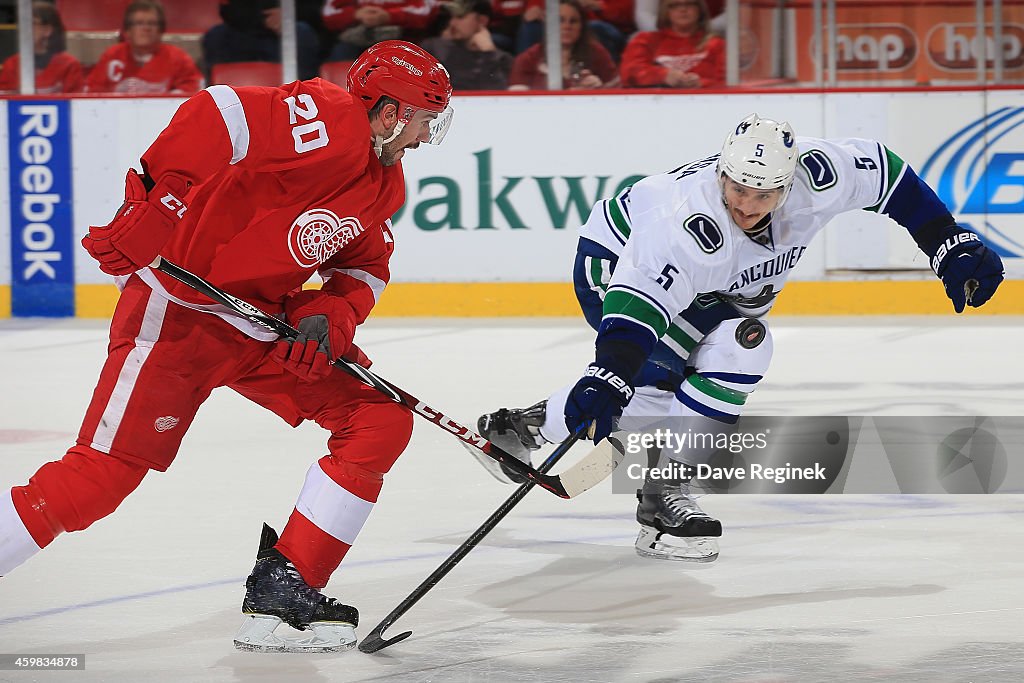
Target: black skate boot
515, 431
276, 592
668, 509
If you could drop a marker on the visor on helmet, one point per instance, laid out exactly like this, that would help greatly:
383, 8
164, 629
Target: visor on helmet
439, 126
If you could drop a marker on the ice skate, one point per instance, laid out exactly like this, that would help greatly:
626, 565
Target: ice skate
275, 594
515, 431
672, 525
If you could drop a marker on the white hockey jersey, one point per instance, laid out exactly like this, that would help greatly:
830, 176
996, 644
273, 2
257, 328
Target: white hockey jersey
675, 239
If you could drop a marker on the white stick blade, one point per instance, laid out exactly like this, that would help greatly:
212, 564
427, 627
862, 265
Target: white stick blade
593, 468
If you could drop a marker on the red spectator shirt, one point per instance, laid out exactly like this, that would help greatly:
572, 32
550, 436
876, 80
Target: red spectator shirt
286, 184
508, 8
530, 68
63, 74
412, 14
619, 13
169, 70
649, 55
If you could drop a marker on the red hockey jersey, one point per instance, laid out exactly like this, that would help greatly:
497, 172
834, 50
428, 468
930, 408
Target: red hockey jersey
61, 74
286, 184
169, 70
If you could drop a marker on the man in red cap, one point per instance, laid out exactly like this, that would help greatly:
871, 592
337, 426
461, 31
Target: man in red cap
253, 189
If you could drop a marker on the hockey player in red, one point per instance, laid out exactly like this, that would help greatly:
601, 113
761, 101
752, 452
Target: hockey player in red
254, 189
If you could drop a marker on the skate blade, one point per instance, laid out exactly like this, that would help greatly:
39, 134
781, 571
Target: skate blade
489, 464
697, 549
257, 634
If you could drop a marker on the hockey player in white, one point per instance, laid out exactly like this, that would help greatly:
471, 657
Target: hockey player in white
676, 272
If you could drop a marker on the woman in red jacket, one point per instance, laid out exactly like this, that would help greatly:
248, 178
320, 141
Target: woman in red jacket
680, 54
586, 64
56, 70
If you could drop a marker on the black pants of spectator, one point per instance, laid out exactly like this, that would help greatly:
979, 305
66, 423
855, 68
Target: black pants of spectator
224, 44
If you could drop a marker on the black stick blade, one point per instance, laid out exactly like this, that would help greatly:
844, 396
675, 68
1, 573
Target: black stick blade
375, 643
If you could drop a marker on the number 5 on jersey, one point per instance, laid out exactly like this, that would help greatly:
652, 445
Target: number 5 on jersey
307, 136
666, 278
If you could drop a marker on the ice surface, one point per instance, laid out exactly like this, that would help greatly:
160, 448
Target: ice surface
838, 588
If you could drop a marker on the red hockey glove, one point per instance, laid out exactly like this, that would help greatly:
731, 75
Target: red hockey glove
307, 355
327, 324
141, 226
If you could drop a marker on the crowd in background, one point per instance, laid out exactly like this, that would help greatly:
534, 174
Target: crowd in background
484, 44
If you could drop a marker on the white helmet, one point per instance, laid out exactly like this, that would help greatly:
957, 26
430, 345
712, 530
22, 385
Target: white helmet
760, 153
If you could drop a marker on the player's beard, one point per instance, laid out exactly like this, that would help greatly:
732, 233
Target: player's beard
391, 152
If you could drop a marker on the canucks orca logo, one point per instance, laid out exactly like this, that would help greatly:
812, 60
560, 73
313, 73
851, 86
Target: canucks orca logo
979, 173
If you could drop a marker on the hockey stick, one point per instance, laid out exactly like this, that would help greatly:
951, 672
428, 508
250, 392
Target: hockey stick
375, 641
585, 474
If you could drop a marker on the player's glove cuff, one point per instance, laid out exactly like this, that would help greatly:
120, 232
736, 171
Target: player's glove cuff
942, 238
141, 227
614, 379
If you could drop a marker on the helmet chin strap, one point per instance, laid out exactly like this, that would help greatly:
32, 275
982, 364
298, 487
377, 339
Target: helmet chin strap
379, 141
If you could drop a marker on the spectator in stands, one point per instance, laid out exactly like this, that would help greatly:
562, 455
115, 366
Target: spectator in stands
361, 23
56, 70
610, 21
251, 32
506, 17
682, 53
142, 64
646, 15
586, 64
467, 50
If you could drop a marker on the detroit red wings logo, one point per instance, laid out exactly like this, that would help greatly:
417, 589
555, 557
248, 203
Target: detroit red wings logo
318, 234
165, 423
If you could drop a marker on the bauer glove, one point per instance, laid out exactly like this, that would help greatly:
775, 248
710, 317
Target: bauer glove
969, 270
598, 398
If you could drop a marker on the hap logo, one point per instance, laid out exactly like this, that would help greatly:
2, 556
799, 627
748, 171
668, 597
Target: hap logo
873, 47
979, 173
42, 262
957, 47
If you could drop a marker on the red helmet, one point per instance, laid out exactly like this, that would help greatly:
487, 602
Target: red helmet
403, 71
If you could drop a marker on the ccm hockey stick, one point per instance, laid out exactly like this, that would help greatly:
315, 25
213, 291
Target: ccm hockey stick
585, 474
375, 640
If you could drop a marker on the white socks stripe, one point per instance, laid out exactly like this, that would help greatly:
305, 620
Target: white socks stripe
16, 544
